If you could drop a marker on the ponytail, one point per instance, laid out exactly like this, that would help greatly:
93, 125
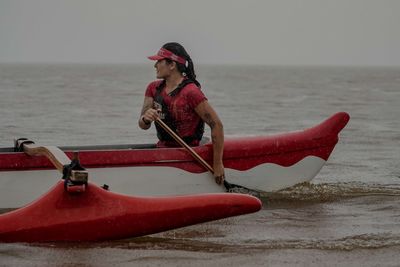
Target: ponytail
190, 71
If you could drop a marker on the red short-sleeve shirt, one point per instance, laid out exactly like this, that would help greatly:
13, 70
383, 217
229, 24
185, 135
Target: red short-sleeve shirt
181, 107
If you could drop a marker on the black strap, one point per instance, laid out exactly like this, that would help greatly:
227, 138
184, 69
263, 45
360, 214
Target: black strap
161, 133
19, 144
67, 170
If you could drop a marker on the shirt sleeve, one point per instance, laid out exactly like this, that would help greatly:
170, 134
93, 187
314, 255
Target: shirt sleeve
151, 89
194, 97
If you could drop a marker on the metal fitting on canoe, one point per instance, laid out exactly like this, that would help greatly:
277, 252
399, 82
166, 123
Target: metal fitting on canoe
75, 176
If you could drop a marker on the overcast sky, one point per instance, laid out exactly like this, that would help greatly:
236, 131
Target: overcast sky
267, 32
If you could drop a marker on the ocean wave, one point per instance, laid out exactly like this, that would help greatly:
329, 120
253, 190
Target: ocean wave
348, 243
364, 241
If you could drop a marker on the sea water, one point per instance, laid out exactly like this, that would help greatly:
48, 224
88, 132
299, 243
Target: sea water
348, 215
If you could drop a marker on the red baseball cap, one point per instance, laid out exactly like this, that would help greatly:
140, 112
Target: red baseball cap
164, 53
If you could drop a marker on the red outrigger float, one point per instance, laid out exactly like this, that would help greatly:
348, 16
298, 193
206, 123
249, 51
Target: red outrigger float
98, 214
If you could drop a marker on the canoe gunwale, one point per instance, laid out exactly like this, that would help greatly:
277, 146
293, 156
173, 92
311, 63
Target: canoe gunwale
316, 141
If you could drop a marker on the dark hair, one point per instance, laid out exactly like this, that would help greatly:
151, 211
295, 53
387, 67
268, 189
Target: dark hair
179, 50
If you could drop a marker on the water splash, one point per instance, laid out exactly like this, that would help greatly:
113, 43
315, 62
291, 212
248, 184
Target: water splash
325, 192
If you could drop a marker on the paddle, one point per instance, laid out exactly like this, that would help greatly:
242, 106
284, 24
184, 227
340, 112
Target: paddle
229, 187
73, 172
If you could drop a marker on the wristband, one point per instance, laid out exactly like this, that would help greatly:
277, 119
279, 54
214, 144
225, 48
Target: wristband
145, 121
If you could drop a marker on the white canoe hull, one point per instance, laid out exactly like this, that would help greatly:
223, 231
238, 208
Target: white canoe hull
20, 188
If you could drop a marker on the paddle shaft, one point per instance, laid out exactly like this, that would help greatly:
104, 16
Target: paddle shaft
227, 185
183, 143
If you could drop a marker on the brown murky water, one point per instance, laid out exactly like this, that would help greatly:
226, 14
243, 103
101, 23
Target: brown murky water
348, 216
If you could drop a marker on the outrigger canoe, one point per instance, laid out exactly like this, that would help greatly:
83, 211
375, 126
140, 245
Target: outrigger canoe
261, 163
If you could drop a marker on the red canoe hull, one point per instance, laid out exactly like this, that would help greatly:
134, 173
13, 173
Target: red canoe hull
240, 153
263, 163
